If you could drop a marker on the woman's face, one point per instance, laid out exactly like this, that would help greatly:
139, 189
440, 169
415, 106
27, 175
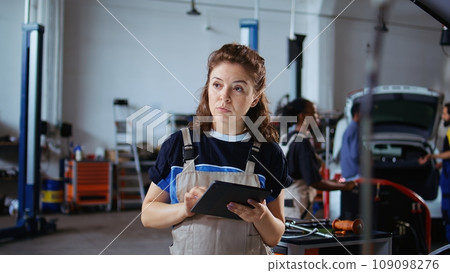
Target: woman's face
310, 110
231, 94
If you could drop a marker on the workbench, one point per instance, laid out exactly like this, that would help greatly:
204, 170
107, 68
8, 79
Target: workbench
345, 244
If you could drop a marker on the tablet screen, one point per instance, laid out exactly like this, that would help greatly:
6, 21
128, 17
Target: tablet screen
214, 201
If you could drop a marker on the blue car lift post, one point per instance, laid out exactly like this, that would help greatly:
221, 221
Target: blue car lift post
29, 223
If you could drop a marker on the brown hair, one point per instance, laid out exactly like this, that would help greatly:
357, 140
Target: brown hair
254, 64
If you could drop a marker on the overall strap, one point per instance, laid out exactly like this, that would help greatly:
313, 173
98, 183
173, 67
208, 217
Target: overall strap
188, 150
284, 139
250, 167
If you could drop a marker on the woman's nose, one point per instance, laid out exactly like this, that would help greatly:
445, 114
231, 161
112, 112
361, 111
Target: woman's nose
225, 94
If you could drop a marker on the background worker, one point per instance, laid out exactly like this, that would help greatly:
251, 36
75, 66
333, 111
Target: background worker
304, 164
444, 180
349, 155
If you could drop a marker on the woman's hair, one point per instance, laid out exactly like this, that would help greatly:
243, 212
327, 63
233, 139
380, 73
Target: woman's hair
254, 65
296, 107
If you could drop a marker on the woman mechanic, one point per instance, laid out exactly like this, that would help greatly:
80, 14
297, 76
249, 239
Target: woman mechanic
226, 149
304, 163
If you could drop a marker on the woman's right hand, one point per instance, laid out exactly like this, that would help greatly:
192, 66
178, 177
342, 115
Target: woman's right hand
191, 198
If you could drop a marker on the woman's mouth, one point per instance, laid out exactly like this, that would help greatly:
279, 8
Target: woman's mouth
223, 110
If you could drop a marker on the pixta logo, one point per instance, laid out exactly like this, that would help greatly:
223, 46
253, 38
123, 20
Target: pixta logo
142, 127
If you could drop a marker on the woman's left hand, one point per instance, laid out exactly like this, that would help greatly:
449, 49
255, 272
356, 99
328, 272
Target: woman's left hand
251, 213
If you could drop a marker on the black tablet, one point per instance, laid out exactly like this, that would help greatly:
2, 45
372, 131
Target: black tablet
214, 201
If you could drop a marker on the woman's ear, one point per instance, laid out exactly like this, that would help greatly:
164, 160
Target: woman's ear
255, 102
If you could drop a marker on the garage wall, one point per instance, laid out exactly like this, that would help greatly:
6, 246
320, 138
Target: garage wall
11, 19
103, 60
158, 60
410, 52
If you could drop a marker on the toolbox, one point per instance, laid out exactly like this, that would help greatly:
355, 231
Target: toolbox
87, 183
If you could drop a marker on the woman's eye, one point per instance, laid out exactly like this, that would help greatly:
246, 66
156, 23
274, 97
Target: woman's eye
216, 85
239, 89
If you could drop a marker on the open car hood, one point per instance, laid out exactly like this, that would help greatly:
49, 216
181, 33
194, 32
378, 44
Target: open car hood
401, 111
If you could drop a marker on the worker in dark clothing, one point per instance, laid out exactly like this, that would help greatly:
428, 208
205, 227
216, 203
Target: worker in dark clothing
304, 163
444, 180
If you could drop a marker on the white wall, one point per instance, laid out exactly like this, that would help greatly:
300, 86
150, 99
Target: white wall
102, 60
410, 52
11, 19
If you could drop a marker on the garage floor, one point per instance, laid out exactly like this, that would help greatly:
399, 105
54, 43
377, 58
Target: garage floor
91, 233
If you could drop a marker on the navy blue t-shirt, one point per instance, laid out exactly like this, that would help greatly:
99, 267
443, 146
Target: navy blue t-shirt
220, 156
302, 161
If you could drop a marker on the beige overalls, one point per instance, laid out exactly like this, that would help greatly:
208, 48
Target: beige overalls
204, 234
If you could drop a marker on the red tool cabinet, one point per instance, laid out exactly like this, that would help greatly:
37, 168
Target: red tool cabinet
88, 183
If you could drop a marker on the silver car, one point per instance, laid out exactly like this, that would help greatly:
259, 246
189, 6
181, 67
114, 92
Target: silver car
405, 120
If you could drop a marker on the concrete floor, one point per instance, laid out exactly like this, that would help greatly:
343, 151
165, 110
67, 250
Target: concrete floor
93, 233
90, 233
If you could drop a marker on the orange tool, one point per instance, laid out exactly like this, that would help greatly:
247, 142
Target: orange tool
355, 226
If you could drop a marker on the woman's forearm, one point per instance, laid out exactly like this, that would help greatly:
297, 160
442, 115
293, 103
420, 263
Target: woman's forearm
162, 215
157, 212
271, 225
270, 228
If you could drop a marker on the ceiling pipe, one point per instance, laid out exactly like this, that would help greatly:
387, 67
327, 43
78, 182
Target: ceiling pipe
256, 14
291, 30
27, 12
